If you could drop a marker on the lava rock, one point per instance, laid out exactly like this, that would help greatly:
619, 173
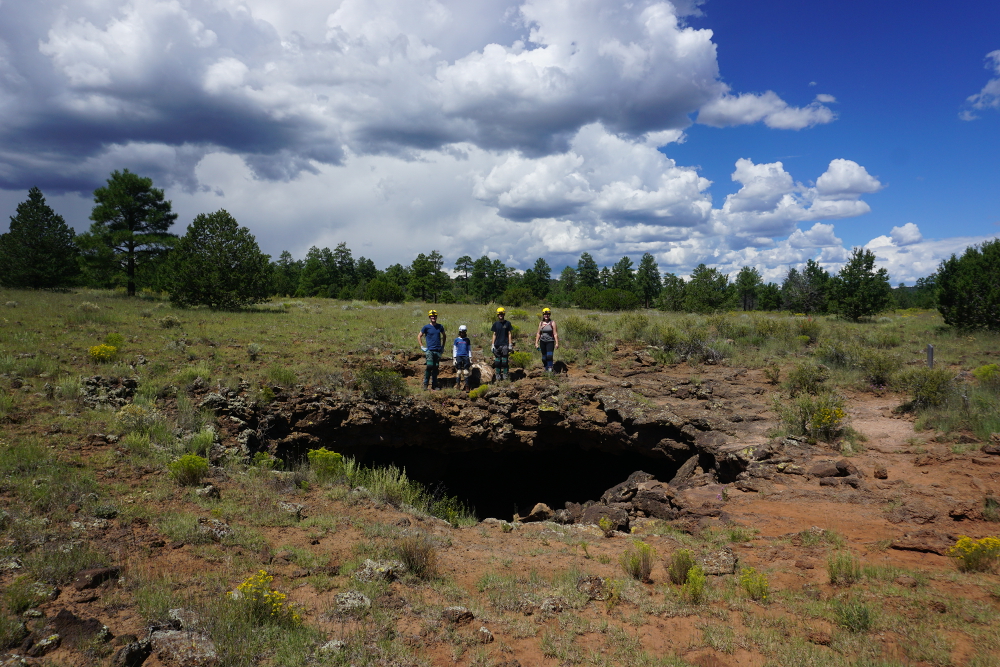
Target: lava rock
540, 512
185, 649
457, 615
132, 654
617, 515
825, 469
880, 472
593, 587
94, 577
350, 601
718, 562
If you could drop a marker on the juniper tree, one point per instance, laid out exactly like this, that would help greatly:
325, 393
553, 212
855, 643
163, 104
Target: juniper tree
219, 264
859, 290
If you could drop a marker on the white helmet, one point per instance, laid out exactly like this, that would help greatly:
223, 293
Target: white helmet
463, 328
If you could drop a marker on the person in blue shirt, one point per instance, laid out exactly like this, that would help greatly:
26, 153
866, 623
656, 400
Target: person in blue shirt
461, 353
433, 346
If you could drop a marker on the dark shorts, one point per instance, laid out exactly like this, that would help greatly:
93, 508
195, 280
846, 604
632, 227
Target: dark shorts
433, 357
462, 363
502, 351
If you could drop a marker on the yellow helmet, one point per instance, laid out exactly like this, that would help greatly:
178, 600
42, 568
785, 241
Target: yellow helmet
501, 310
432, 312
546, 310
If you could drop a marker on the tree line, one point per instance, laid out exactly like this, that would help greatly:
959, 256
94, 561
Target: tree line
219, 264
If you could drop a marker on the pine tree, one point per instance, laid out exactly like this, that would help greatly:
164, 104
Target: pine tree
131, 219
621, 275
219, 264
707, 291
38, 251
747, 283
647, 279
587, 273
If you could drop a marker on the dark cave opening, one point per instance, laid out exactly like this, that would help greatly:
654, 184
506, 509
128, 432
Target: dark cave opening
499, 484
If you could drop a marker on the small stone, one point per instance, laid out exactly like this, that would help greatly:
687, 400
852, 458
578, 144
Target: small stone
351, 601
821, 638
44, 646
718, 562
183, 619
540, 512
94, 577
132, 654
831, 481
484, 636
383, 570
880, 472
593, 587
457, 615
210, 491
334, 646
217, 530
551, 605
905, 581
294, 509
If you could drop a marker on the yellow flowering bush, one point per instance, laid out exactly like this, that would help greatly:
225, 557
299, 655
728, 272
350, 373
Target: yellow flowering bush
103, 353
263, 603
976, 555
755, 584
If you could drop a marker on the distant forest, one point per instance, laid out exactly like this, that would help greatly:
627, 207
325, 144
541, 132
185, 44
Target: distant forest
129, 245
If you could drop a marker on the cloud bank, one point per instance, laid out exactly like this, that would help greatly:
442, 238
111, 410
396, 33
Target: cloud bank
518, 130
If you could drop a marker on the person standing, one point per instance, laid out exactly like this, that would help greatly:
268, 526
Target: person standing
502, 344
461, 354
434, 345
547, 338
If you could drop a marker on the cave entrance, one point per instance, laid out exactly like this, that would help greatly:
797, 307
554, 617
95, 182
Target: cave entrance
500, 484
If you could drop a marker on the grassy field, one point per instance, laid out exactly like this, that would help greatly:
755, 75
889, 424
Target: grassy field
50, 342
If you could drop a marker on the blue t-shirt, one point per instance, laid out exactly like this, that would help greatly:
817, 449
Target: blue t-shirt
433, 334
460, 347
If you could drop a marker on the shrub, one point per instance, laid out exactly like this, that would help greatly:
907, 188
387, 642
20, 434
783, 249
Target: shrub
637, 561
772, 373
988, 375
518, 315
266, 461
103, 354
520, 359
694, 588
806, 378
679, 566
168, 322
253, 351
418, 554
380, 384
606, 525
478, 392
976, 555
115, 340
853, 616
189, 469
518, 296
878, 367
326, 465
281, 376
262, 604
201, 442
821, 417
23, 593
134, 418
754, 583
926, 386
577, 330
991, 509
632, 327
843, 568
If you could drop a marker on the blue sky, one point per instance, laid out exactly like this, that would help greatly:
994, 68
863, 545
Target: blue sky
723, 132
901, 73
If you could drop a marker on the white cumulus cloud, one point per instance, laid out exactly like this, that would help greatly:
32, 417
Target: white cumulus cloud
748, 108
